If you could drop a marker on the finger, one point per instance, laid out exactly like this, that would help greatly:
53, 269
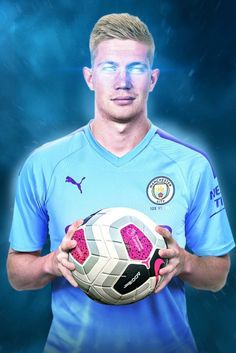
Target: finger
69, 265
162, 284
73, 228
61, 255
67, 274
169, 269
67, 244
62, 258
168, 253
164, 232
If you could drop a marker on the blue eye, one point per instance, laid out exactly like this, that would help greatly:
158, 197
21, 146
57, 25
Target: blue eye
137, 69
109, 68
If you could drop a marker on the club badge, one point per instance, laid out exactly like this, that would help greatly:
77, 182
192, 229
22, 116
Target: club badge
160, 190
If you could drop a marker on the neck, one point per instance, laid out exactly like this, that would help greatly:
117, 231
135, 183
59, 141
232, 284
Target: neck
119, 137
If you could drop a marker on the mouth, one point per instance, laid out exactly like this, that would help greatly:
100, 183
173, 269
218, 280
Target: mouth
120, 98
123, 100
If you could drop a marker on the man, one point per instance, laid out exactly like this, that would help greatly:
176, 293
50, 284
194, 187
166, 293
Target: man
120, 159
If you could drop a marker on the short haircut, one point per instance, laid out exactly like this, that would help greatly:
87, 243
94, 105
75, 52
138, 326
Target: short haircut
121, 26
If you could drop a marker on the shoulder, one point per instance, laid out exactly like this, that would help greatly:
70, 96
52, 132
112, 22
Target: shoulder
47, 157
63, 146
54, 151
186, 156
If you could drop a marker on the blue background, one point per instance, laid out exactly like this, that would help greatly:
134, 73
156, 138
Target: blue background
43, 47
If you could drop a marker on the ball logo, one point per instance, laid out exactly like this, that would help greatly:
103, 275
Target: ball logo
132, 280
160, 190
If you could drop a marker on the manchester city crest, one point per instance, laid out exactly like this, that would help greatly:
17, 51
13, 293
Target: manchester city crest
160, 190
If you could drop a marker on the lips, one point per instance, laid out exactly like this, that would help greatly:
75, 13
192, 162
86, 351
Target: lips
123, 98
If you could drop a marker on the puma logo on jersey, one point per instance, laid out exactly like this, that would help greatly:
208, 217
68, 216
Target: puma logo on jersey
72, 181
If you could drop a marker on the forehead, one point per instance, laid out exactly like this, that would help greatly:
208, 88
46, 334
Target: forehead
121, 51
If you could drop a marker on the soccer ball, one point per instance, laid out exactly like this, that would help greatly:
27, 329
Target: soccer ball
116, 256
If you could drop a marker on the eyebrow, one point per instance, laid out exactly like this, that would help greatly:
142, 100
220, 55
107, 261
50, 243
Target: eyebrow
137, 63
108, 62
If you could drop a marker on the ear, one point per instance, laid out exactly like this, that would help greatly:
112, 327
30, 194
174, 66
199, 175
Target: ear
87, 72
154, 77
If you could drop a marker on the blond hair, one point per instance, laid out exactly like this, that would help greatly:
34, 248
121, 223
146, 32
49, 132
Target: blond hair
121, 26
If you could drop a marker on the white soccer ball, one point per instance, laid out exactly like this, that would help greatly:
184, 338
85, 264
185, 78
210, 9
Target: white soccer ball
117, 256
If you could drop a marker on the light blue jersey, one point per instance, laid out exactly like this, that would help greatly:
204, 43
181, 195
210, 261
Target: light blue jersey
172, 183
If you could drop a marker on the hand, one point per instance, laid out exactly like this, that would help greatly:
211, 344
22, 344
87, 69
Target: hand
62, 266
176, 256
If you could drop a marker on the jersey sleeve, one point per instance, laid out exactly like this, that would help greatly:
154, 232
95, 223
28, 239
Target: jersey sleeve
30, 220
208, 231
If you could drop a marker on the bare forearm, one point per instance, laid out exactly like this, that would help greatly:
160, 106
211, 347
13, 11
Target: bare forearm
33, 272
208, 272
30, 270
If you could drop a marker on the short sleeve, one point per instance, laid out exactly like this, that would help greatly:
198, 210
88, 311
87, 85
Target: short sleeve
30, 220
207, 228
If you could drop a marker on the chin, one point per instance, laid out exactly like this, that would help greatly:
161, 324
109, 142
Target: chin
123, 119
122, 116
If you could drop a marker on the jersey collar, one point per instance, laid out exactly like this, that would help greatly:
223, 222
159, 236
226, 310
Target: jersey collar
115, 160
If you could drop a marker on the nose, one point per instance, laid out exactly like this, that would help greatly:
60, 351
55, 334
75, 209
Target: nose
123, 80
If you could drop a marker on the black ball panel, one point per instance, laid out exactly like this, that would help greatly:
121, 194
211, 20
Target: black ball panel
133, 277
